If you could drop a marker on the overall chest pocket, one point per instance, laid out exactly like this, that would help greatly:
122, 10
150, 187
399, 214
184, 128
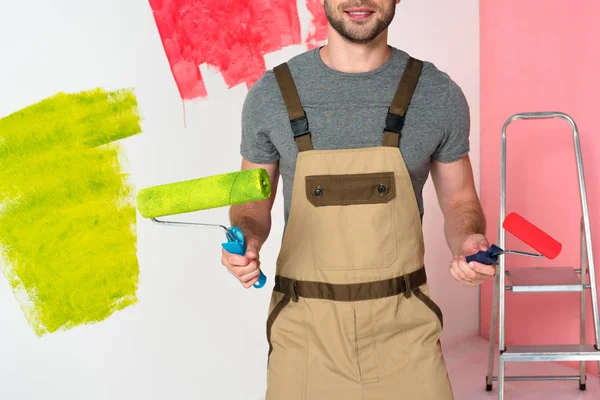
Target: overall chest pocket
353, 220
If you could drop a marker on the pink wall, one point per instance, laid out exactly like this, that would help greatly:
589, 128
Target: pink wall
540, 55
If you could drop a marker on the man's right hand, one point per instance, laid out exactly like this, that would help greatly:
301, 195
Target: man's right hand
254, 219
245, 268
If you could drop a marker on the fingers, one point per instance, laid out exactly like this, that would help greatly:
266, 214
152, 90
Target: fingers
460, 280
230, 260
250, 278
466, 271
487, 270
241, 271
234, 260
470, 274
245, 268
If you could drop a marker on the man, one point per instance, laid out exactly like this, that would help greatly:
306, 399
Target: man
354, 128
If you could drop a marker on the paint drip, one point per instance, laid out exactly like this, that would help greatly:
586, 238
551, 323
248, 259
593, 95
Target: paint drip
67, 214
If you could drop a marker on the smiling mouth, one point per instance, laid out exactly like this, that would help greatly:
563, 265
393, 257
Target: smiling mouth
359, 14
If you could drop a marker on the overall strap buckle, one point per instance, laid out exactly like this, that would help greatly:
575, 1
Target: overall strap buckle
293, 105
300, 127
394, 121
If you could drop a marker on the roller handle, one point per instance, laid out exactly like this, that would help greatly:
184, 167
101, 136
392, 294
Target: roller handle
238, 246
488, 257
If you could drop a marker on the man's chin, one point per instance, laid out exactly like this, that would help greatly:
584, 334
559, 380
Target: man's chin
359, 39
357, 35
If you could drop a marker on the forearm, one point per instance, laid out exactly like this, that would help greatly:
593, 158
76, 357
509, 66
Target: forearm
462, 220
254, 219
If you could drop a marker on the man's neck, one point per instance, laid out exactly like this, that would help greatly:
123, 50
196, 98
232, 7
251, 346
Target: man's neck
344, 56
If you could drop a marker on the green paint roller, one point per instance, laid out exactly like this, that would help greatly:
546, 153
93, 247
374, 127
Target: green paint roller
206, 193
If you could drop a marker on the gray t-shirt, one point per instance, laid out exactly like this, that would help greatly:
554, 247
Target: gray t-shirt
348, 110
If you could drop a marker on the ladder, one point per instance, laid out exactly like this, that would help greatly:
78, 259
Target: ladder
545, 279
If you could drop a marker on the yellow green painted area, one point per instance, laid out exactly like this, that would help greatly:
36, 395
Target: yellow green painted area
67, 212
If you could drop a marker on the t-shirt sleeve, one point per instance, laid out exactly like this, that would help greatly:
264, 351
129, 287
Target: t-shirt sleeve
456, 125
256, 145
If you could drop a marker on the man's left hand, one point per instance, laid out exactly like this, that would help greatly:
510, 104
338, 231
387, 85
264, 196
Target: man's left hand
473, 273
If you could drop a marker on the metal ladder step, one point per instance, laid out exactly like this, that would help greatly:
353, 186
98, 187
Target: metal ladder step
544, 279
539, 378
558, 352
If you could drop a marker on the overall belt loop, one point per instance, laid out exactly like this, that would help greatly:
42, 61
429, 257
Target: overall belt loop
408, 288
293, 290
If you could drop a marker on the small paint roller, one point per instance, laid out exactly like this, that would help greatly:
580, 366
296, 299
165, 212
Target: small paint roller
526, 232
206, 193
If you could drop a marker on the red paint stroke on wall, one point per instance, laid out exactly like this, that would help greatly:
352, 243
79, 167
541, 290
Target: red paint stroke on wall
318, 30
230, 35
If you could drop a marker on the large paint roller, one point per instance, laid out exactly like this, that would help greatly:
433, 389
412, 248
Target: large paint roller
206, 193
526, 232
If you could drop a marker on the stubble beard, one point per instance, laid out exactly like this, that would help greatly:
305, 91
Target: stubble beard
358, 31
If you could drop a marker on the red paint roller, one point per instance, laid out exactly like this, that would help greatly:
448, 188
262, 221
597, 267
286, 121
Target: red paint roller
526, 232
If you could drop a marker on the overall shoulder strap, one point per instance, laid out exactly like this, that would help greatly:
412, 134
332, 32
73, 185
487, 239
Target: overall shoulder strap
397, 111
295, 111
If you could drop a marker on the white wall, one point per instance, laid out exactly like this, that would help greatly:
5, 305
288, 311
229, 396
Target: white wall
169, 346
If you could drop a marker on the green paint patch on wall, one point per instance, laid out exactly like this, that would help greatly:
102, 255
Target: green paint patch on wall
67, 213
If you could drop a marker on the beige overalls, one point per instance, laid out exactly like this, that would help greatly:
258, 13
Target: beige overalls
350, 317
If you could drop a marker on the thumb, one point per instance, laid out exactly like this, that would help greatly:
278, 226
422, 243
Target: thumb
483, 243
252, 251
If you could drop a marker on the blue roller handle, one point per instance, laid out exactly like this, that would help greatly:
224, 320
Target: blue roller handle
488, 257
238, 246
